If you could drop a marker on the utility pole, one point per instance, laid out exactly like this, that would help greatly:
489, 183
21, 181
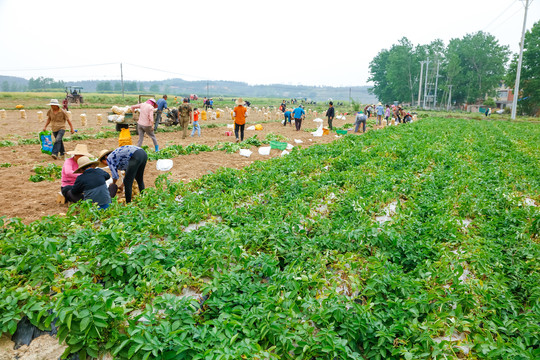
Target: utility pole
449, 97
436, 83
425, 85
207, 89
520, 60
122, 79
349, 95
420, 83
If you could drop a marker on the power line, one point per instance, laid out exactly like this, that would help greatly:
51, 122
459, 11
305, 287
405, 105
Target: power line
167, 71
510, 17
501, 14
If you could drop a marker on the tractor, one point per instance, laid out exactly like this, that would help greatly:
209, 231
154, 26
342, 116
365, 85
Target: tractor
73, 95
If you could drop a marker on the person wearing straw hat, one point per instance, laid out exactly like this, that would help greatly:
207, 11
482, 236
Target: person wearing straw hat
240, 115
57, 117
92, 183
130, 158
68, 171
380, 112
145, 124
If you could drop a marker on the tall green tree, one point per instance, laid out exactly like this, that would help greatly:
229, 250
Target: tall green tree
401, 69
378, 68
529, 83
478, 64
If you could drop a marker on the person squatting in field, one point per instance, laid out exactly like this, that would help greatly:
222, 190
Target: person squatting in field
92, 183
130, 158
68, 172
57, 117
240, 115
145, 124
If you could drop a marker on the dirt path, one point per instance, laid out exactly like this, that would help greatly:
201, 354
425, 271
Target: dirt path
30, 201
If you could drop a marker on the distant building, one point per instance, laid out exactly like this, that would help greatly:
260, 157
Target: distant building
505, 97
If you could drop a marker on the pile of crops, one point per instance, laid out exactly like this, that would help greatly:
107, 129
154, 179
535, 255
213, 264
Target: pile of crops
414, 242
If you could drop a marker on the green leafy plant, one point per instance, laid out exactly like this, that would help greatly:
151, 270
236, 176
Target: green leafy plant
48, 172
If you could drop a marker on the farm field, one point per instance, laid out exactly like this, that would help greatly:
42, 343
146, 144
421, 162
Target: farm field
20, 154
412, 242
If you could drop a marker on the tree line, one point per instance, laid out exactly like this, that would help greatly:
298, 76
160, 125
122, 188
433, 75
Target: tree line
466, 71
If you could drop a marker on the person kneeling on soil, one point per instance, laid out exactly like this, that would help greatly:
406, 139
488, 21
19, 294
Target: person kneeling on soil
92, 183
68, 172
130, 158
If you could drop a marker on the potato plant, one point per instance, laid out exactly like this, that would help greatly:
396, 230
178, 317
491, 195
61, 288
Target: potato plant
414, 242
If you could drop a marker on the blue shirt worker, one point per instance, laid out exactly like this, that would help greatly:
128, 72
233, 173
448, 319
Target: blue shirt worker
130, 158
380, 112
287, 115
298, 115
161, 105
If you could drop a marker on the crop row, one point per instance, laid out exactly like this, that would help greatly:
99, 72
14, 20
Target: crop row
418, 241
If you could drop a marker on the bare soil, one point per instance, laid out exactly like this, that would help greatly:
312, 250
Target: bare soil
31, 201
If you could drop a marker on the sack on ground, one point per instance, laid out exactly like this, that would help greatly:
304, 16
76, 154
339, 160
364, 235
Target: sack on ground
124, 138
45, 138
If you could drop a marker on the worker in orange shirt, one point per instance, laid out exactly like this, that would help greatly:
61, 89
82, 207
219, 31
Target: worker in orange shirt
239, 114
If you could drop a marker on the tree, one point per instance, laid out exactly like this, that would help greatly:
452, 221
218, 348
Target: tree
401, 66
154, 88
42, 83
378, 70
117, 86
478, 66
5, 85
130, 86
529, 83
104, 86
396, 72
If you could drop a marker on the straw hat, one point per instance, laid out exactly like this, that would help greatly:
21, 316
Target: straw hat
239, 101
80, 149
83, 163
54, 102
379, 104
102, 154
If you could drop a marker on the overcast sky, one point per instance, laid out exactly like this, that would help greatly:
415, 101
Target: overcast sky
307, 42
